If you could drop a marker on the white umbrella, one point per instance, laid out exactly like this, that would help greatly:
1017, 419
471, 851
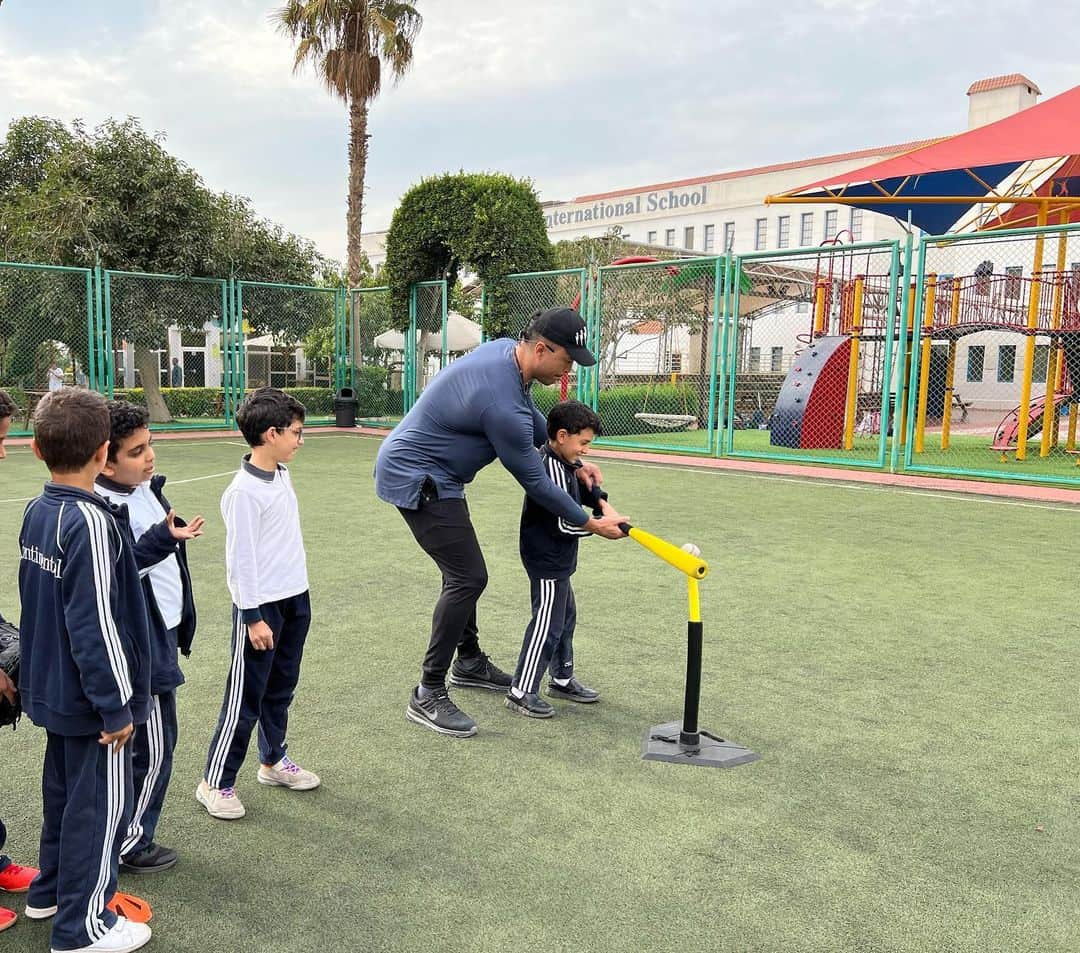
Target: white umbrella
461, 335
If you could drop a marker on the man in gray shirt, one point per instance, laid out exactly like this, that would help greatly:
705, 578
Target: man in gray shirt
476, 410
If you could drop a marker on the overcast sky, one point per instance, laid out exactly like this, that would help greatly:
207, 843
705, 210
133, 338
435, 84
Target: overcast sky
580, 96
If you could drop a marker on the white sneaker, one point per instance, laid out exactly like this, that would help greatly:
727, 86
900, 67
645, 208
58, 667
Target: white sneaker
122, 938
219, 802
288, 774
39, 913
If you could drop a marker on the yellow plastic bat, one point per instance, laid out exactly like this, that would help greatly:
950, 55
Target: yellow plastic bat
694, 566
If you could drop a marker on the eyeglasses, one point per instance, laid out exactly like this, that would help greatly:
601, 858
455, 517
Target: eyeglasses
297, 432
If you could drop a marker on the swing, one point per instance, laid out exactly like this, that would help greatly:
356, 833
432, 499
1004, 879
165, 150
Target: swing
664, 421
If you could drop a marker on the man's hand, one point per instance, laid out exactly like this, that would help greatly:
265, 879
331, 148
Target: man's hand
117, 738
590, 475
261, 636
181, 533
7, 687
607, 525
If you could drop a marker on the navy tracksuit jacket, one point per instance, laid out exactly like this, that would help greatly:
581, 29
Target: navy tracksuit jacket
155, 742
85, 669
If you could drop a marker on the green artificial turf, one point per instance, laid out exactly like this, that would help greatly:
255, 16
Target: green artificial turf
906, 664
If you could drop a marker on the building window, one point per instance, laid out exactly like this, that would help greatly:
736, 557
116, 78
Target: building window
976, 359
761, 233
1013, 274
755, 360
1006, 369
710, 237
1042, 363
669, 238
650, 238
783, 231
830, 224
688, 237
855, 224
984, 271
729, 236
806, 229
776, 360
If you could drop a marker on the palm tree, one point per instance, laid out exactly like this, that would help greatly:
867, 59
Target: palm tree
349, 42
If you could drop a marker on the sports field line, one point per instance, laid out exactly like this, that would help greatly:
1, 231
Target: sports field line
209, 476
856, 487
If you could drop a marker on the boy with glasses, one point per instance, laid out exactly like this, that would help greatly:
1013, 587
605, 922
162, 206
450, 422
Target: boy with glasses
266, 570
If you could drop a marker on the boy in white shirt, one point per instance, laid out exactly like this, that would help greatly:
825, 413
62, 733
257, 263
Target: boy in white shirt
266, 570
160, 553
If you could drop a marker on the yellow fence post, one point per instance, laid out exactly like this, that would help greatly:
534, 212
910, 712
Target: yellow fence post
1050, 418
853, 367
924, 362
819, 310
950, 370
1029, 343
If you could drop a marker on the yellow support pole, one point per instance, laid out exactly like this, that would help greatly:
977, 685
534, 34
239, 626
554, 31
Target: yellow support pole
950, 370
853, 367
1050, 418
819, 310
694, 598
1071, 440
1029, 343
924, 362
907, 364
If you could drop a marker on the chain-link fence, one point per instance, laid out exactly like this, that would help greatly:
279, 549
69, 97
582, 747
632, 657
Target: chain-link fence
291, 336
810, 361
377, 358
163, 345
526, 294
429, 342
47, 332
654, 332
996, 356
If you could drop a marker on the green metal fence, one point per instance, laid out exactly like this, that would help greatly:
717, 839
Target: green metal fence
996, 356
293, 337
377, 357
162, 346
48, 331
810, 354
966, 347
654, 330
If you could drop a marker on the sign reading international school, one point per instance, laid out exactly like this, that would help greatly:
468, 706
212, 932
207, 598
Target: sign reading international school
643, 203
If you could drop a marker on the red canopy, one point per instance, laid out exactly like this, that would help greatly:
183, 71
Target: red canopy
965, 167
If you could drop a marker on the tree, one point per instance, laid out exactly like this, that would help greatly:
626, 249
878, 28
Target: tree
490, 224
116, 198
348, 42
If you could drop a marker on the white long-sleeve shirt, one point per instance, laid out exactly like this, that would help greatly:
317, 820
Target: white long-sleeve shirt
264, 549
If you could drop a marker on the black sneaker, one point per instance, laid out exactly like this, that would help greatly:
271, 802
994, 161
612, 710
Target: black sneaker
479, 672
149, 861
437, 712
574, 692
531, 706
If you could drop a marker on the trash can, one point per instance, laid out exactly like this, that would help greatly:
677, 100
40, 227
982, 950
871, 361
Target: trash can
345, 404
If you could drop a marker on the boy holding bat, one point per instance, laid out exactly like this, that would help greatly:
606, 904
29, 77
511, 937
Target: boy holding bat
549, 546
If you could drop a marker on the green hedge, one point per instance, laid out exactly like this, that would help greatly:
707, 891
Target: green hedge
182, 401
618, 405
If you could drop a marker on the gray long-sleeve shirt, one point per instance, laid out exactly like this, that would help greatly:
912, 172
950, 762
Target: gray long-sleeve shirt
474, 410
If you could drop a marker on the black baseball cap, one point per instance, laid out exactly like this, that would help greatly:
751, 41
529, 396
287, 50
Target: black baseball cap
565, 327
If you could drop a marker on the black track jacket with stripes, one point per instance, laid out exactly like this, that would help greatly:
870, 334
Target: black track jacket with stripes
548, 544
84, 636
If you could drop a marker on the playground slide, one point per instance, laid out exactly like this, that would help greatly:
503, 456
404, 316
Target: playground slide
1005, 437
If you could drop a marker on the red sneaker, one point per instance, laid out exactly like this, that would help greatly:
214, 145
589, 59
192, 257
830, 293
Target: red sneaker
16, 879
7, 918
135, 909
